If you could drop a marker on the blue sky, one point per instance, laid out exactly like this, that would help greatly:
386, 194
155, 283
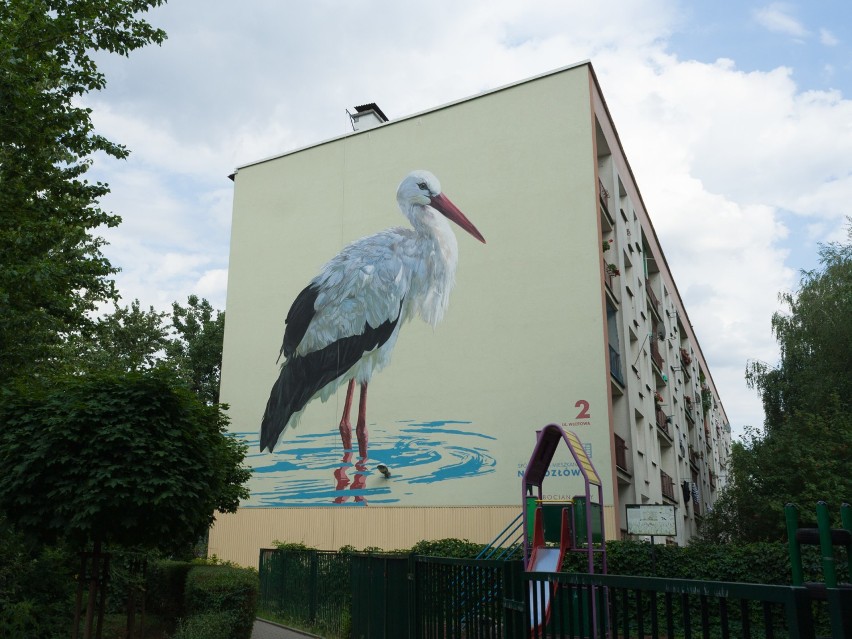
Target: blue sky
812, 38
735, 116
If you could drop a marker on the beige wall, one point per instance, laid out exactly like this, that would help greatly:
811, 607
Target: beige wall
239, 537
521, 345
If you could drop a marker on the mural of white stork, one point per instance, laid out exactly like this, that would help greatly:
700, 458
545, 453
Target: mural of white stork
343, 326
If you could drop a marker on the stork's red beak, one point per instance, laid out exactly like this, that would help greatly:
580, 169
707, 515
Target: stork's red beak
442, 204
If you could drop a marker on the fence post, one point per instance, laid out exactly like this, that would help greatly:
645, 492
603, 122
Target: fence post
413, 608
313, 587
799, 617
791, 515
513, 601
825, 544
840, 612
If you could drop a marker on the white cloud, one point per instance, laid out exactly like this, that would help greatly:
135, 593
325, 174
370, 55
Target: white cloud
776, 17
827, 38
213, 285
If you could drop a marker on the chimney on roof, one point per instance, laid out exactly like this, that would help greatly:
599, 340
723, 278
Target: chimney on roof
367, 116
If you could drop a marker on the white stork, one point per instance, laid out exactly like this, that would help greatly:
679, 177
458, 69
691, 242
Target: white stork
343, 326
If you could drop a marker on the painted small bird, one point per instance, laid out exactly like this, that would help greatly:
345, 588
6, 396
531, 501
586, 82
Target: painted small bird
343, 326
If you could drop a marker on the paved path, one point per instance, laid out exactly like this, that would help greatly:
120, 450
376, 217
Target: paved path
268, 630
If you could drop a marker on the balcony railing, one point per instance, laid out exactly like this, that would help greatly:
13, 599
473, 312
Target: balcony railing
662, 422
603, 193
621, 454
655, 352
693, 457
652, 297
608, 277
667, 485
615, 365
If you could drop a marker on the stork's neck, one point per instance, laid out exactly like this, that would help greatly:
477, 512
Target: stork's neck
438, 251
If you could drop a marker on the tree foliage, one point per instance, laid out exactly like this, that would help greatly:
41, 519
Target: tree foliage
815, 338
196, 347
36, 587
52, 271
187, 342
126, 459
130, 339
803, 452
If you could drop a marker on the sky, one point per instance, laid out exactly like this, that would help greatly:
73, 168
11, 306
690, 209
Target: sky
736, 118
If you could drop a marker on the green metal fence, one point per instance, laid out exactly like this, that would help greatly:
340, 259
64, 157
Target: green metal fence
381, 596
308, 589
652, 607
461, 597
405, 597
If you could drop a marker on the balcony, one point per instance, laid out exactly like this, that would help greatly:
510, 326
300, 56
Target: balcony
694, 456
609, 277
689, 414
652, 298
663, 426
667, 486
655, 351
621, 454
603, 194
712, 480
615, 365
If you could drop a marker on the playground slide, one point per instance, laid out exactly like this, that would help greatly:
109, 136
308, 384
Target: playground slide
544, 559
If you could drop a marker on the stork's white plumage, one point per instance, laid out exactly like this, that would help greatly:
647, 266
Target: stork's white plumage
343, 326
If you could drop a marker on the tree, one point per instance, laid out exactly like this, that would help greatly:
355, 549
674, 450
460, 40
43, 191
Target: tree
803, 463
52, 271
802, 453
188, 342
815, 339
128, 339
123, 459
196, 349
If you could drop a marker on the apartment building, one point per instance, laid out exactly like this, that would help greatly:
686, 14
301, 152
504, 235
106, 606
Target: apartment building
567, 314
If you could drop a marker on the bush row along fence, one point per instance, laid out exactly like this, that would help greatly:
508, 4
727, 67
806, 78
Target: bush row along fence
395, 597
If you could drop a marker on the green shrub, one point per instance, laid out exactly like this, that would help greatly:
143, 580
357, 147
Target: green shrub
36, 587
166, 581
224, 589
207, 625
459, 548
766, 563
292, 546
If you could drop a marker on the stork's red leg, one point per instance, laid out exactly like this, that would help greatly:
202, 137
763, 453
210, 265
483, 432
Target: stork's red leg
345, 424
361, 427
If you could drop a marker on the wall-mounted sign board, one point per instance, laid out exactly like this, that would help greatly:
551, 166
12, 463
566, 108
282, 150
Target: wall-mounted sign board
654, 520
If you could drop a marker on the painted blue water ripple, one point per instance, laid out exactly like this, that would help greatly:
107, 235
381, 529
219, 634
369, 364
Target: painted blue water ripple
313, 470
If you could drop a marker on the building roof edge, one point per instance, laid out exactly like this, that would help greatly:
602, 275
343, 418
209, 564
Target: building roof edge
481, 94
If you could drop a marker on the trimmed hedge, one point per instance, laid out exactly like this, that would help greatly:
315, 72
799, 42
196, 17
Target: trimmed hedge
166, 581
765, 563
224, 589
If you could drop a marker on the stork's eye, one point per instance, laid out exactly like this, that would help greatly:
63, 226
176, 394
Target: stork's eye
422, 186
